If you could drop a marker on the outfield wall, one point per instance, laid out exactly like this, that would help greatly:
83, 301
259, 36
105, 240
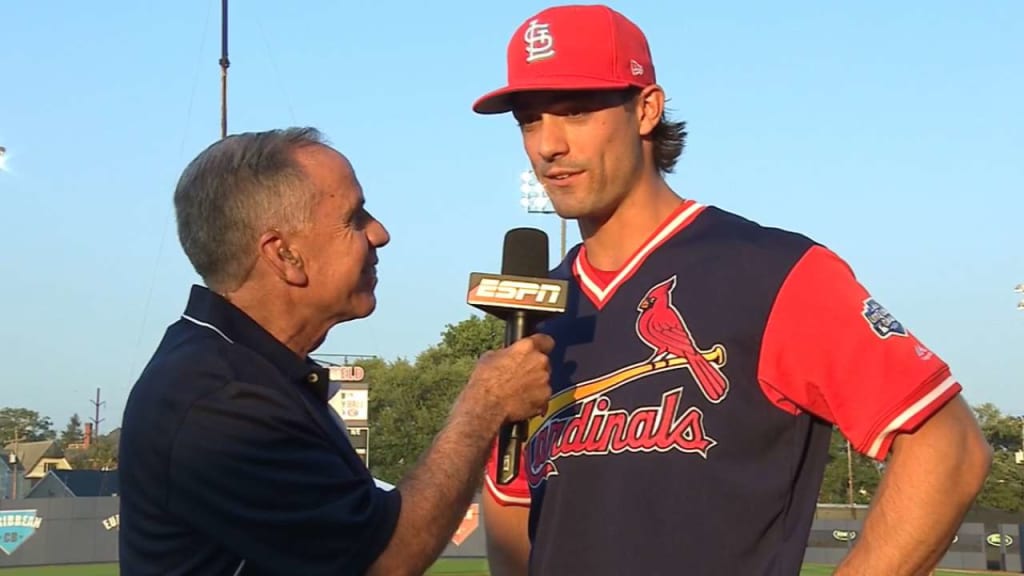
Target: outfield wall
47, 531
976, 546
44, 531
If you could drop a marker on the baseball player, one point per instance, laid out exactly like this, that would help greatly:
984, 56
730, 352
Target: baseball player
704, 359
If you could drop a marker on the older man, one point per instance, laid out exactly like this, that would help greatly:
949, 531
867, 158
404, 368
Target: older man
231, 460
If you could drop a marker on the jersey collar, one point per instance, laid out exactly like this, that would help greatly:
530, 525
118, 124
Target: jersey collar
591, 281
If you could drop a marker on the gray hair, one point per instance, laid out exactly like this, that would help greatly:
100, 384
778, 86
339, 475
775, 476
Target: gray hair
236, 189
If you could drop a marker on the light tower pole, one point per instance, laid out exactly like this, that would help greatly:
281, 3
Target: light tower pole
535, 200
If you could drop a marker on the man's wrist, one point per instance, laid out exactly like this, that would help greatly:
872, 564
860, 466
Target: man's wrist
478, 410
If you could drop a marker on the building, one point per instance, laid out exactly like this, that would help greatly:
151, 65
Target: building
76, 484
27, 464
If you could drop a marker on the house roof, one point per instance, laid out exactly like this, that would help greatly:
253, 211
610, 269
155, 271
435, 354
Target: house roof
30, 453
89, 483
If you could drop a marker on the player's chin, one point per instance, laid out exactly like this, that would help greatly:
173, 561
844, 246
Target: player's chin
574, 204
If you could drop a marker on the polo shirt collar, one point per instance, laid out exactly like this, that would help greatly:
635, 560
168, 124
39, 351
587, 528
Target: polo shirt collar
212, 311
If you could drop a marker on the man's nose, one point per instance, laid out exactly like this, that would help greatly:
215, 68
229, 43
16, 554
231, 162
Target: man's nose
378, 234
551, 141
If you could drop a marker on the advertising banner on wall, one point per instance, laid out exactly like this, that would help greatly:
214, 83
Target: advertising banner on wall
16, 527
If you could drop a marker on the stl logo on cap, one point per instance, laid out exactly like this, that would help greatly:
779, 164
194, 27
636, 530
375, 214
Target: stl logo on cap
539, 43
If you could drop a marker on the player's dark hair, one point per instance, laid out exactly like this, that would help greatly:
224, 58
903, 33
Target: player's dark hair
669, 138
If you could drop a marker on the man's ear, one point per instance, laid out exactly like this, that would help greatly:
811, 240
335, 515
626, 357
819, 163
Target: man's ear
284, 259
650, 106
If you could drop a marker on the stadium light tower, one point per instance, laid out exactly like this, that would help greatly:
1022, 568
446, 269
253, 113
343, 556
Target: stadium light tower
535, 200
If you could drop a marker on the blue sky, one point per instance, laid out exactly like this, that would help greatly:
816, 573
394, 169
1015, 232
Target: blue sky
892, 133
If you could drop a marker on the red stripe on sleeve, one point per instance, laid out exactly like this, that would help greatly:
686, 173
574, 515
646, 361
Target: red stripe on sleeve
516, 493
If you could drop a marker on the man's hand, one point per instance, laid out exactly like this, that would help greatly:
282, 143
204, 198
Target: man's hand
513, 383
933, 478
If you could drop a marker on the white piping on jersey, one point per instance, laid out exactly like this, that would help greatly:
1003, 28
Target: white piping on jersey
909, 413
239, 569
207, 325
665, 232
497, 493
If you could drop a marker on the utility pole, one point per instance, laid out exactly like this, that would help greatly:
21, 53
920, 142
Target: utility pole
14, 459
849, 478
96, 419
224, 64
563, 238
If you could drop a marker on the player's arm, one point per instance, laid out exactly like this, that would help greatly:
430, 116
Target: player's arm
506, 511
931, 480
831, 350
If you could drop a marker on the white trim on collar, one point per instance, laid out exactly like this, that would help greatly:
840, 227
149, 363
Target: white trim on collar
207, 325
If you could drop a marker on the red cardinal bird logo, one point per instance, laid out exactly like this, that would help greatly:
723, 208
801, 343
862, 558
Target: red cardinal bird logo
661, 326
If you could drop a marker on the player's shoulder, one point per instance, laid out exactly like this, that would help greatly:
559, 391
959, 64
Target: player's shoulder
717, 224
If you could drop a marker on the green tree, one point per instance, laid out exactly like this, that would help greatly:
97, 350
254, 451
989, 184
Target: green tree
1002, 431
101, 454
410, 401
1004, 486
470, 339
72, 433
24, 425
835, 485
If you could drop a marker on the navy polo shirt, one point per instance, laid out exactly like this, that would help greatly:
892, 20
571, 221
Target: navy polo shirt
232, 463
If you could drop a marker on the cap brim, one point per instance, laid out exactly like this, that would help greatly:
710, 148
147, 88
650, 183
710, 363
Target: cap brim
500, 101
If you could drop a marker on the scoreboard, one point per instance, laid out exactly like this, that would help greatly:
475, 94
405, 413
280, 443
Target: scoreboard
350, 399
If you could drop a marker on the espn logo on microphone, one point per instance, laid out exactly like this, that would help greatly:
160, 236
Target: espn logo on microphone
519, 292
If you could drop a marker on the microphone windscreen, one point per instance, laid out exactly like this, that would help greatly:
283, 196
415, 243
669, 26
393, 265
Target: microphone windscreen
525, 253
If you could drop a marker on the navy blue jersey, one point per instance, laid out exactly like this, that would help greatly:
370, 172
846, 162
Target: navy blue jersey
694, 394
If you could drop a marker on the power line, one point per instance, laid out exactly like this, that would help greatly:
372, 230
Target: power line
345, 358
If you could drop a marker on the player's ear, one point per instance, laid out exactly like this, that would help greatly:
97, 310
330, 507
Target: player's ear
650, 106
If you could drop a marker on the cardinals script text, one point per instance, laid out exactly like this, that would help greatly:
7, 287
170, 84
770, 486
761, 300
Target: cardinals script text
596, 429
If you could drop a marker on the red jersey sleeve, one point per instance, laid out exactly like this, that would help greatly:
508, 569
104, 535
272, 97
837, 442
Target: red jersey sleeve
831, 349
517, 492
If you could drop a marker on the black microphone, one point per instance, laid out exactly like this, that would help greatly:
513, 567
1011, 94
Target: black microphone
522, 295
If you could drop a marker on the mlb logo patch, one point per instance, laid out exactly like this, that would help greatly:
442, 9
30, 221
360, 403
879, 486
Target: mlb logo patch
17, 526
881, 321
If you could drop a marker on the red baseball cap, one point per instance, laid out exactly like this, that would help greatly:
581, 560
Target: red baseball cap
578, 47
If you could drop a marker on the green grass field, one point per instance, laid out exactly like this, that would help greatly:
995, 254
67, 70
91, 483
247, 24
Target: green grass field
442, 568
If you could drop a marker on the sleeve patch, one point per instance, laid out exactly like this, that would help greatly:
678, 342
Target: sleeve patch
881, 320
